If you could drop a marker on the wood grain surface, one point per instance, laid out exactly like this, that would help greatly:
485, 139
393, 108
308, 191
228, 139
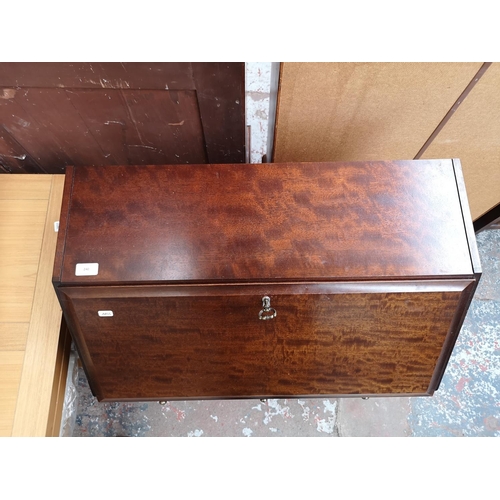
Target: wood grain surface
11, 365
369, 266
316, 221
29, 327
363, 111
205, 346
36, 384
23, 207
54, 115
471, 134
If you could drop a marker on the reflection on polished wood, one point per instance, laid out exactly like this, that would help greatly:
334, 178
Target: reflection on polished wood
370, 267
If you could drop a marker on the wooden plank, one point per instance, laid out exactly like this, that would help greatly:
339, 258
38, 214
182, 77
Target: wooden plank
59, 383
13, 157
273, 108
169, 128
11, 363
128, 75
60, 114
452, 110
63, 221
13, 336
18, 305
29, 187
141, 128
105, 127
20, 265
221, 99
363, 111
61, 137
35, 388
12, 231
21, 230
472, 134
105, 115
8, 208
22, 114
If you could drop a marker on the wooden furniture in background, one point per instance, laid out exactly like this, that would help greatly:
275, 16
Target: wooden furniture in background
58, 114
33, 354
369, 111
272, 280
473, 134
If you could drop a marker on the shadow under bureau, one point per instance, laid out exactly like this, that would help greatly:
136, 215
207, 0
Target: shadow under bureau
268, 280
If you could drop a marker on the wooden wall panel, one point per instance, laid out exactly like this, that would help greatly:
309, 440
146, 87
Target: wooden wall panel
473, 135
57, 114
159, 76
363, 111
105, 127
14, 158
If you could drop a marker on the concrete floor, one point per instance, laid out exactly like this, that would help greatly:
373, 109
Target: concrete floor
467, 403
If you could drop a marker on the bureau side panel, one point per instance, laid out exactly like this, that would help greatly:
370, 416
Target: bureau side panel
466, 214
150, 343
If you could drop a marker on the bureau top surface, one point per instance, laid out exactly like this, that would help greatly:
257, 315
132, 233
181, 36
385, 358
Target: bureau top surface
265, 222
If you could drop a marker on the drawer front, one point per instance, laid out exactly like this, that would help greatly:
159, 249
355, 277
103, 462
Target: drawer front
209, 342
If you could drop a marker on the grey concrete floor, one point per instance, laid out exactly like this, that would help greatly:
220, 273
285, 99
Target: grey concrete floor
467, 403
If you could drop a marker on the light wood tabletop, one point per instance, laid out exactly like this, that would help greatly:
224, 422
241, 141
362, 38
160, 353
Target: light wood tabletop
33, 353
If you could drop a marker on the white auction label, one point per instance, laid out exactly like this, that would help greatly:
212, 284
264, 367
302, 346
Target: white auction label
88, 269
105, 314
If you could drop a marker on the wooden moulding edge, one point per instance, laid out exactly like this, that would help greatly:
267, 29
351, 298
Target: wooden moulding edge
80, 344
227, 289
467, 219
452, 335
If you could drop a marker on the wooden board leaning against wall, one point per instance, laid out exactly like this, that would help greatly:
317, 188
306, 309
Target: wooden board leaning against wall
375, 111
33, 353
58, 114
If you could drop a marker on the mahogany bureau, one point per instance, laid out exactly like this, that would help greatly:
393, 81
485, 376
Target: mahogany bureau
266, 280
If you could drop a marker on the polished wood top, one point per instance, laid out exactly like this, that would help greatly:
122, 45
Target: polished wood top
263, 222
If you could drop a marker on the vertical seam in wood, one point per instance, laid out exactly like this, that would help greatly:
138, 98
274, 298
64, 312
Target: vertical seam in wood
277, 113
452, 110
68, 213
202, 126
234, 132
